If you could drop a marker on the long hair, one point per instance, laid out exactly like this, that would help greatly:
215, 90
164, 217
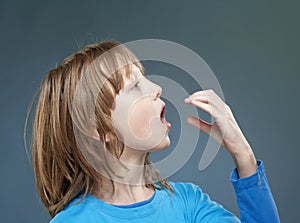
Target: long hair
62, 170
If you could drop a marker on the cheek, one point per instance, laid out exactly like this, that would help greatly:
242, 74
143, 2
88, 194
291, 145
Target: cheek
138, 123
139, 119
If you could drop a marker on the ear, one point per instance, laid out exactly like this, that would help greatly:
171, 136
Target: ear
109, 137
95, 135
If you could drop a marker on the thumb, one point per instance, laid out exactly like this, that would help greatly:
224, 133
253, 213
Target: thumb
200, 124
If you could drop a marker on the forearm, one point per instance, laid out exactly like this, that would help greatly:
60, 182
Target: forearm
254, 197
241, 152
244, 160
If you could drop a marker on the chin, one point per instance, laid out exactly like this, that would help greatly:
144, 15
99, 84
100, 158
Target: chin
165, 143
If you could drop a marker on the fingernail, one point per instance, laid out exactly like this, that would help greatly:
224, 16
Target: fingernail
187, 100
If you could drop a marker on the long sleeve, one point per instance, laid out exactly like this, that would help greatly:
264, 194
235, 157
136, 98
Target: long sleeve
187, 203
254, 197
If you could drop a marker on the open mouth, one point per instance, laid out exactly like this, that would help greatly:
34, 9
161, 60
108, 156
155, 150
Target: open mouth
163, 119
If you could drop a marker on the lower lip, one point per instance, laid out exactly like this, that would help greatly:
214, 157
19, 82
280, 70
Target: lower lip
166, 123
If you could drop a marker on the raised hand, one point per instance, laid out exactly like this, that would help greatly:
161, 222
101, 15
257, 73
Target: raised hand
224, 130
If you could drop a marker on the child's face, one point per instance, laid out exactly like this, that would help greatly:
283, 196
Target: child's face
138, 115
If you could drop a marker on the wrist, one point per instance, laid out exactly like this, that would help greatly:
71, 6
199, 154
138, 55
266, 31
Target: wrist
245, 161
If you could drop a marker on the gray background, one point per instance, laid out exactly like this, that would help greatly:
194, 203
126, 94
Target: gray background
252, 47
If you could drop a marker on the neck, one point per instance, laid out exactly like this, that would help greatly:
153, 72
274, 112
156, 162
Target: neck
129, 186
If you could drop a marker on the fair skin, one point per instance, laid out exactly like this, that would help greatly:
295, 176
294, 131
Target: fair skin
233, 139
137, 117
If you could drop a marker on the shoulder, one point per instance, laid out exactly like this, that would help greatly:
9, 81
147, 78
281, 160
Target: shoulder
188, 192
192, 196
199, 205
77, 210
185, 187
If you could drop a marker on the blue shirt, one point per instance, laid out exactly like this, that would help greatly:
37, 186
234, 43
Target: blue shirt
186, 204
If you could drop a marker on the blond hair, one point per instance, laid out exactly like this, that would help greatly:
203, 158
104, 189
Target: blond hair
62, 171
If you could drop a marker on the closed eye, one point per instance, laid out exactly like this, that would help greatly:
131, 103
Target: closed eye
133, 86
136, 84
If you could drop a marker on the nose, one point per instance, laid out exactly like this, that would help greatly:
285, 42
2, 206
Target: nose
158, 91
153, 89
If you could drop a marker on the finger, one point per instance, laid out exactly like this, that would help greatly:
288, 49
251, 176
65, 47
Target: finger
201, 105
200, 124
209, 97
203, 93
201, 98
210, 94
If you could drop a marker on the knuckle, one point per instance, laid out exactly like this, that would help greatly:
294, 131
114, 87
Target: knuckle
210, 91
227, 107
